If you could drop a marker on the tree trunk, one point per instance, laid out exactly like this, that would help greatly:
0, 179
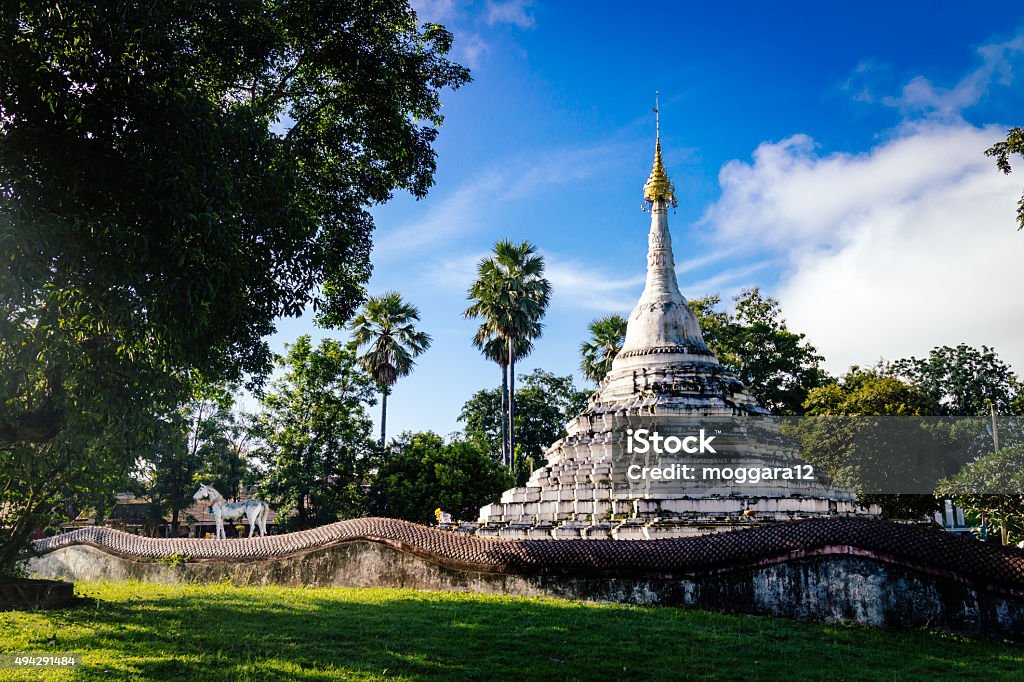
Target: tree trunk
383, 416
174, 523
504, 415
511, 404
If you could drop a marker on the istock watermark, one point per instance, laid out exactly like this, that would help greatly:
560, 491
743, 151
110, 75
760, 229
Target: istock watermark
642, 441
685, 472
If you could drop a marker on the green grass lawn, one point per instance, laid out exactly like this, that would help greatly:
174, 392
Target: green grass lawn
144, 631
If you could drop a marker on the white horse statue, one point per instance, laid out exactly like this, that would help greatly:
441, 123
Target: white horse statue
254, 510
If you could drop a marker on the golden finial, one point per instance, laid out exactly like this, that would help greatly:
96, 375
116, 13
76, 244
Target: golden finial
658, 185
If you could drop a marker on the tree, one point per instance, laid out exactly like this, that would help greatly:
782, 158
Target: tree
777, 365
201, 442
228, 464
546, 404
1014, 144
316, 433
991, 486
194, 436
156, 219
423, 473
495, 349
511, 295
388, 325
607, 335
849, 434
963, 380
864, 392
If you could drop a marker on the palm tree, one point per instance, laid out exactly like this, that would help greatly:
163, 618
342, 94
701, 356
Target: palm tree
494, 348
388, 325
511, 295
606, 336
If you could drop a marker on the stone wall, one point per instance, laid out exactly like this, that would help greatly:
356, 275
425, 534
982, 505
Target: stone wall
807, 570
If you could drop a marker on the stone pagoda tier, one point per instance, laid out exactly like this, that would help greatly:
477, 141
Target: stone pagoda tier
664, 379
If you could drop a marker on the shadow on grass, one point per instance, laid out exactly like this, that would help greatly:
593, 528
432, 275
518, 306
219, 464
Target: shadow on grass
138, 631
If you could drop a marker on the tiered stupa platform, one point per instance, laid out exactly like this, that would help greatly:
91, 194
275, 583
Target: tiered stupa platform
664, 379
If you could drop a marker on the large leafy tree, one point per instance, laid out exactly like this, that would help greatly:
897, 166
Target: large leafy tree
316, 433
776, 364
607, 335
173, 177
864, 392
511, 295
991, 487
387, 325
842, 436
1002, 151
546, 403
424, 473
964, 380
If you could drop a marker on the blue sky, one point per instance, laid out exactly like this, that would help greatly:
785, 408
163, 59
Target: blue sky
831, 154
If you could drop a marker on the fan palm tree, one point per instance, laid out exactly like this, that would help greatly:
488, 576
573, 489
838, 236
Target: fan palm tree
387, 325
606, 337
511, 295
494, 348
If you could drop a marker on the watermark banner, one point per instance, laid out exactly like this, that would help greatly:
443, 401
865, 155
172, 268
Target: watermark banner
872, 455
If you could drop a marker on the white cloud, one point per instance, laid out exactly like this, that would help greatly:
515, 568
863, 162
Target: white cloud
454, 273
579, 285
574, 284
910, 245
862, 80
726, 283
462, 212
470, 48
456, 214
921, 96
790, 193
510, 12
435, 10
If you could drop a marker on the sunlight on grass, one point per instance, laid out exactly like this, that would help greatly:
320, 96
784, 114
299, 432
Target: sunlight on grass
153, 631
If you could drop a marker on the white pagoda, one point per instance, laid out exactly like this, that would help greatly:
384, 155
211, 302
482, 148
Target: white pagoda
666, 380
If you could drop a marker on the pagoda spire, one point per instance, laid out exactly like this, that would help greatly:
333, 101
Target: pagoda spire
662, 322
658, 187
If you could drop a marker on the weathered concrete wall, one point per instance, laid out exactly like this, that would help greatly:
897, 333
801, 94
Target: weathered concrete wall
828, 586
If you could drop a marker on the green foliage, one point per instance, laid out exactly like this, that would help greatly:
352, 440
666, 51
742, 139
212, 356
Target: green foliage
423, 473
964, 380
388, 326
984, 487
227, 463
546, 402
155, 218
174, 561
841, 439
316, 433
867, 392
1014, 144
777, 365
511, 295
200, 442
607, 335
